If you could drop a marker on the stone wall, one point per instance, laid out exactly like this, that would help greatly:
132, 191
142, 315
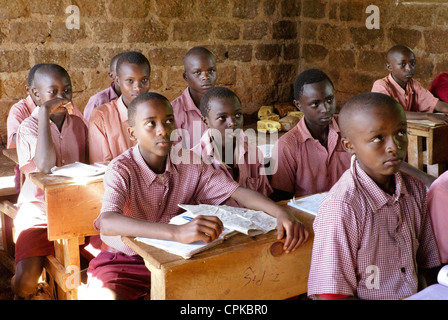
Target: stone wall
261, 45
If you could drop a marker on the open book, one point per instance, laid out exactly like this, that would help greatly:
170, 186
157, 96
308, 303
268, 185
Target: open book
308, 204
438, 291
234, 219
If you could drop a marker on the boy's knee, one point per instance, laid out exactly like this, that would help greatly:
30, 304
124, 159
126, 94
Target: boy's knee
23, 287
28, 271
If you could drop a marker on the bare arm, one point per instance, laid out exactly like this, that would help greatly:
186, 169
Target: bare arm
201, 228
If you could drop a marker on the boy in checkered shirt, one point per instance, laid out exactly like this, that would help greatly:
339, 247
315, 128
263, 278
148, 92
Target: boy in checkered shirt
372, 231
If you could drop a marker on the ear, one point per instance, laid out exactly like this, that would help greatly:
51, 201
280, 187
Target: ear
111, 76
184, 75
131, 134
204, 119
347, 145
388, 67
297, 104
35, 93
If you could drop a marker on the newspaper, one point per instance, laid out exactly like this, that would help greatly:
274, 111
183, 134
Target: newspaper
249, 222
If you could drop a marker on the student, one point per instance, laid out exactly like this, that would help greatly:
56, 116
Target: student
107, 95
143, 188
200, 73
372, 230
437, 203
309, 158
225, 145
417, 102
49, 137
108, 135
439, 86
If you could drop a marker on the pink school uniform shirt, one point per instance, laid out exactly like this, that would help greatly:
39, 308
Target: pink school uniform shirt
302, 166
134, 190
188, 118
414, 98
18, 112
249, 159
369, 244
437, 203
98, 99
108, 131
70, 146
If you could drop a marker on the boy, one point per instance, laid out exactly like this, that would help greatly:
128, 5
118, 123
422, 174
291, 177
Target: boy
437, 203
108, 125
309, 158
417, 102
107, 95
200, 74
143, 188
49, 137
225, 145
372, 231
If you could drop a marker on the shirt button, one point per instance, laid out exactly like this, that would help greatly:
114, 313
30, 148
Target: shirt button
403, 269
63, 161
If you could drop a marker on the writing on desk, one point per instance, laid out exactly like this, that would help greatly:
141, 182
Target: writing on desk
255, 278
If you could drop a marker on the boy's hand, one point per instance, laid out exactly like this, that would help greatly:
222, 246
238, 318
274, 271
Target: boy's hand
56, 105
296, 234
205, 228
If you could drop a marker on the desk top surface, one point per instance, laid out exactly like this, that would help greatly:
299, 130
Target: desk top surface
160, 258
43, 180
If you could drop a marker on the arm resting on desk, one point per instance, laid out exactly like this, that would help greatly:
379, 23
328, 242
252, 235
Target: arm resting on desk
205, 228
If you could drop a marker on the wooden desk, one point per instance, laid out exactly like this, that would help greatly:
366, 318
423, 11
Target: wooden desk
72, 206
240, 268
428, 146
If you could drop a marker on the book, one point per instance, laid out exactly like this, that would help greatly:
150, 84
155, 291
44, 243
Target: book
79, 170
437, 291
249, 222
185, 250
308, 204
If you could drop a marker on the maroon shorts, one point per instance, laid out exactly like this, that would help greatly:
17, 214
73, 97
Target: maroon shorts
33, 242
125, 275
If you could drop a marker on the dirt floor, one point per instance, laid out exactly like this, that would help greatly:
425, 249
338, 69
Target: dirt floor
5, 284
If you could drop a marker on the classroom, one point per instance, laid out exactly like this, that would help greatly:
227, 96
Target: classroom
260, 47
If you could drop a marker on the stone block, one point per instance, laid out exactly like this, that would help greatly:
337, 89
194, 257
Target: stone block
167, 56
435, 41
60, 34
192, 31
267, 52
227, 31
227, 76
372, 61
123, 9
29, 32
13, 9
108, 32
240, 53
148, 32
332, 35
406, 36
174, 8
344, 59
291, 51
353, 11
84, 57
14, 60
214, 8
313, 53
255, 30
362, 36
314, 9
284, 30
245, 9
291, 8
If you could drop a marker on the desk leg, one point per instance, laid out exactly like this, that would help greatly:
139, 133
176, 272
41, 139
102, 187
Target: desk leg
158, 284
415, 151
67, 252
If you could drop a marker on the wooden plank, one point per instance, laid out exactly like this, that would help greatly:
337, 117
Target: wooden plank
71, 209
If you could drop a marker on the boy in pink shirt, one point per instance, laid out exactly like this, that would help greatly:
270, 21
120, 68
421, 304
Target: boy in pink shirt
49, 137
309, 158
108, 124
107, 95
437, 204
372, 231
143, 188
417, 102
225, 145
200, 74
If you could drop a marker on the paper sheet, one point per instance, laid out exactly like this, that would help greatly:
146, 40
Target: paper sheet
243, 220
308, 204
78, 170
438, 291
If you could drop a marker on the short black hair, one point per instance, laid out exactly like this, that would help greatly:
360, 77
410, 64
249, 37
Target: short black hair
114, 59
218, 93
147, 96
308, 77
198, 51
51, 68
361, 103
132, 57
32, 72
